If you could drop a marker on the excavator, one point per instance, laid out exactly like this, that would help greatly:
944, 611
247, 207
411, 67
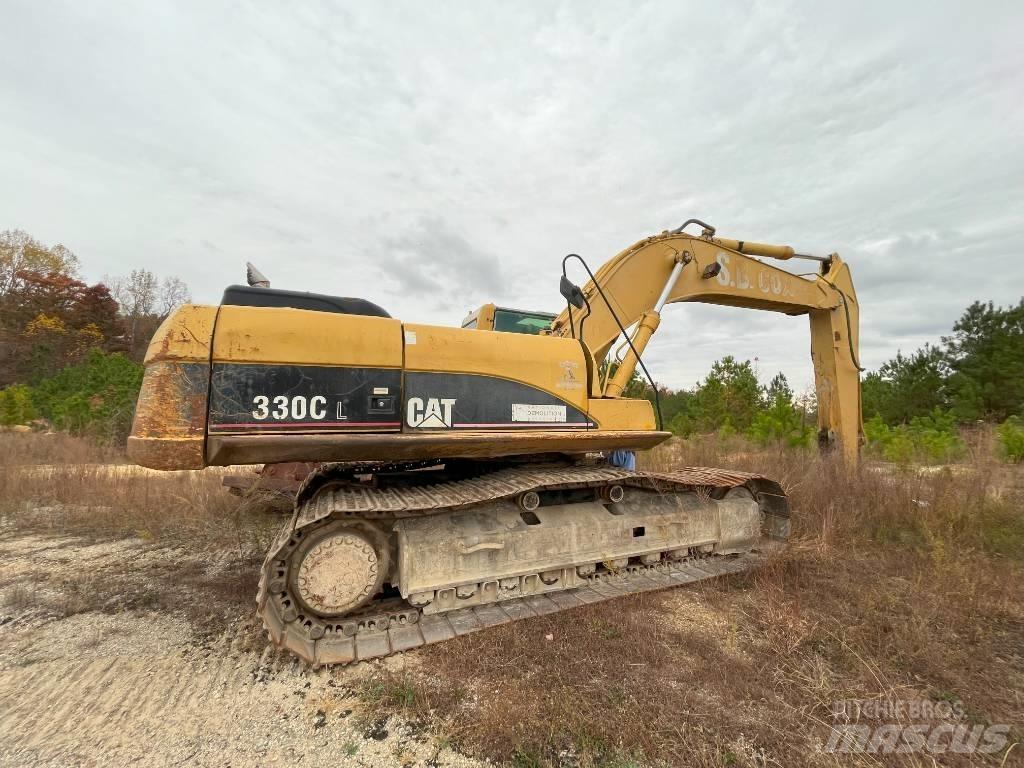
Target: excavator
461, 478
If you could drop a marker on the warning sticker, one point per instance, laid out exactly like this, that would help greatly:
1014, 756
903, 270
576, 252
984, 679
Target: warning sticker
539, 413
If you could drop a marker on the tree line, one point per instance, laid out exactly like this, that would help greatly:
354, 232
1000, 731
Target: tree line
70, 352
913, 404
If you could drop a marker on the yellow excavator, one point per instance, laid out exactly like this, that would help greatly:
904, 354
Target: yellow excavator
460, 478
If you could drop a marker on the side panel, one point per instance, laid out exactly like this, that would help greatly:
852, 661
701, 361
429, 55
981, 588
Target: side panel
475, 401
250, 397
296, 371
552, 364
304, 337
464, 379
169, 429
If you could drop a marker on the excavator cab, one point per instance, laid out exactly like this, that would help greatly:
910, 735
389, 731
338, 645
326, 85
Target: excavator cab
493, 318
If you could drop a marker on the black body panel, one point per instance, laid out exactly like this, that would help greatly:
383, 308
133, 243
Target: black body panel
475, 401
246, 397
247, 296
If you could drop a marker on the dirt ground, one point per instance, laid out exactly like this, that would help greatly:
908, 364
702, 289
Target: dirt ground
94, 672
128, 634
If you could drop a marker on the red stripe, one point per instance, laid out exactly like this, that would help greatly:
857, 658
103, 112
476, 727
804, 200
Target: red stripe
275, 425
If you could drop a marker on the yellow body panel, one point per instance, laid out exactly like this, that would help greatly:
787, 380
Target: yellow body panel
553, 364
481, 319
169, 428
622, 414
185, 335
288, 336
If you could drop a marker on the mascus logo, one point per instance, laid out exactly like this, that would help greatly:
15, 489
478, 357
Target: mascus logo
434, 412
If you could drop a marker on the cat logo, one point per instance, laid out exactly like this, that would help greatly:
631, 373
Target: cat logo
433, 413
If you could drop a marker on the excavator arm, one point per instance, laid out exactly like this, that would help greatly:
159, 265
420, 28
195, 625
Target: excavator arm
629, 291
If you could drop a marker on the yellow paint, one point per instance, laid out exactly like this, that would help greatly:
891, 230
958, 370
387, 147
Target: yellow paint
483, 317
287, 336
645, 329
185, 335
633, 280
622, 413
549, 363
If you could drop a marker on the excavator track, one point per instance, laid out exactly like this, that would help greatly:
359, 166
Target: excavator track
391, 624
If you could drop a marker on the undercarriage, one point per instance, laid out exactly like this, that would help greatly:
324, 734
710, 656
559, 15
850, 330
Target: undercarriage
378, 559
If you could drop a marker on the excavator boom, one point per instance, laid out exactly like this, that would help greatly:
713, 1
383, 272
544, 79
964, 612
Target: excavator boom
631, 288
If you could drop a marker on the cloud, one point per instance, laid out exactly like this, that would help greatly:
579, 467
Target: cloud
435, 161
428, 258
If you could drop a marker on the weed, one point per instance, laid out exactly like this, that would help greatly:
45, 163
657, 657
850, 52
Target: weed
526, 758
1011, 439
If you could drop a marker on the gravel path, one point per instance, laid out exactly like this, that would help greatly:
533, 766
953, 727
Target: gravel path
142, 687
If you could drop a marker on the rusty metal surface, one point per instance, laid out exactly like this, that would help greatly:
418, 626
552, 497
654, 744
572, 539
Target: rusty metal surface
401, 502
281, 478
170, 418
384, 628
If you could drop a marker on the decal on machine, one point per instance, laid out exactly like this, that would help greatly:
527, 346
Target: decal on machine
538, 413
430, 412
769, 280
465, 401
248, 397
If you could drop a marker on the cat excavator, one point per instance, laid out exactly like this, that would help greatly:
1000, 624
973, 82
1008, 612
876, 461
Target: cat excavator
463, 477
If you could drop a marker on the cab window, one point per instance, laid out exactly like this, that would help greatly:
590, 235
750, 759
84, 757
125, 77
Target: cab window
512, 321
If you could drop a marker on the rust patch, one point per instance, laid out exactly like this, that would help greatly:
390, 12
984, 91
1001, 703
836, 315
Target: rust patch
166, 453
170, 417
184, 336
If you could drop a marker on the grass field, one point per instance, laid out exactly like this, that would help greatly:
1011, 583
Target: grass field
900, 586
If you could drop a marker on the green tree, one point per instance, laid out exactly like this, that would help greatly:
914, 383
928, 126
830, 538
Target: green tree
676, 409
96, 397
778, 388
1011, 439
906, 386
16, 405
730, 395
986, 355
780, 422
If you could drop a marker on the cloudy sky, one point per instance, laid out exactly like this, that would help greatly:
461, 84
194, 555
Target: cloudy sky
432, 156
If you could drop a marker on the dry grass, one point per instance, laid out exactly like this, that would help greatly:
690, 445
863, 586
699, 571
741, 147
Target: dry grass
897, 587
60, 484
200, 546
34, 448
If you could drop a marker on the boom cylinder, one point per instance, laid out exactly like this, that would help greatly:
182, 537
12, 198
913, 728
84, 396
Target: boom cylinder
781, 252
645, 329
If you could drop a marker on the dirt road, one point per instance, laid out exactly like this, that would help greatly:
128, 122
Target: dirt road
103, 660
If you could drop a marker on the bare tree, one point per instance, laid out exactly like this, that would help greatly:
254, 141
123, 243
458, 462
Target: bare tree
173, 293
145, 301
136, 294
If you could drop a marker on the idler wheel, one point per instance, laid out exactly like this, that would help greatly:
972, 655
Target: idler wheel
338, 569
